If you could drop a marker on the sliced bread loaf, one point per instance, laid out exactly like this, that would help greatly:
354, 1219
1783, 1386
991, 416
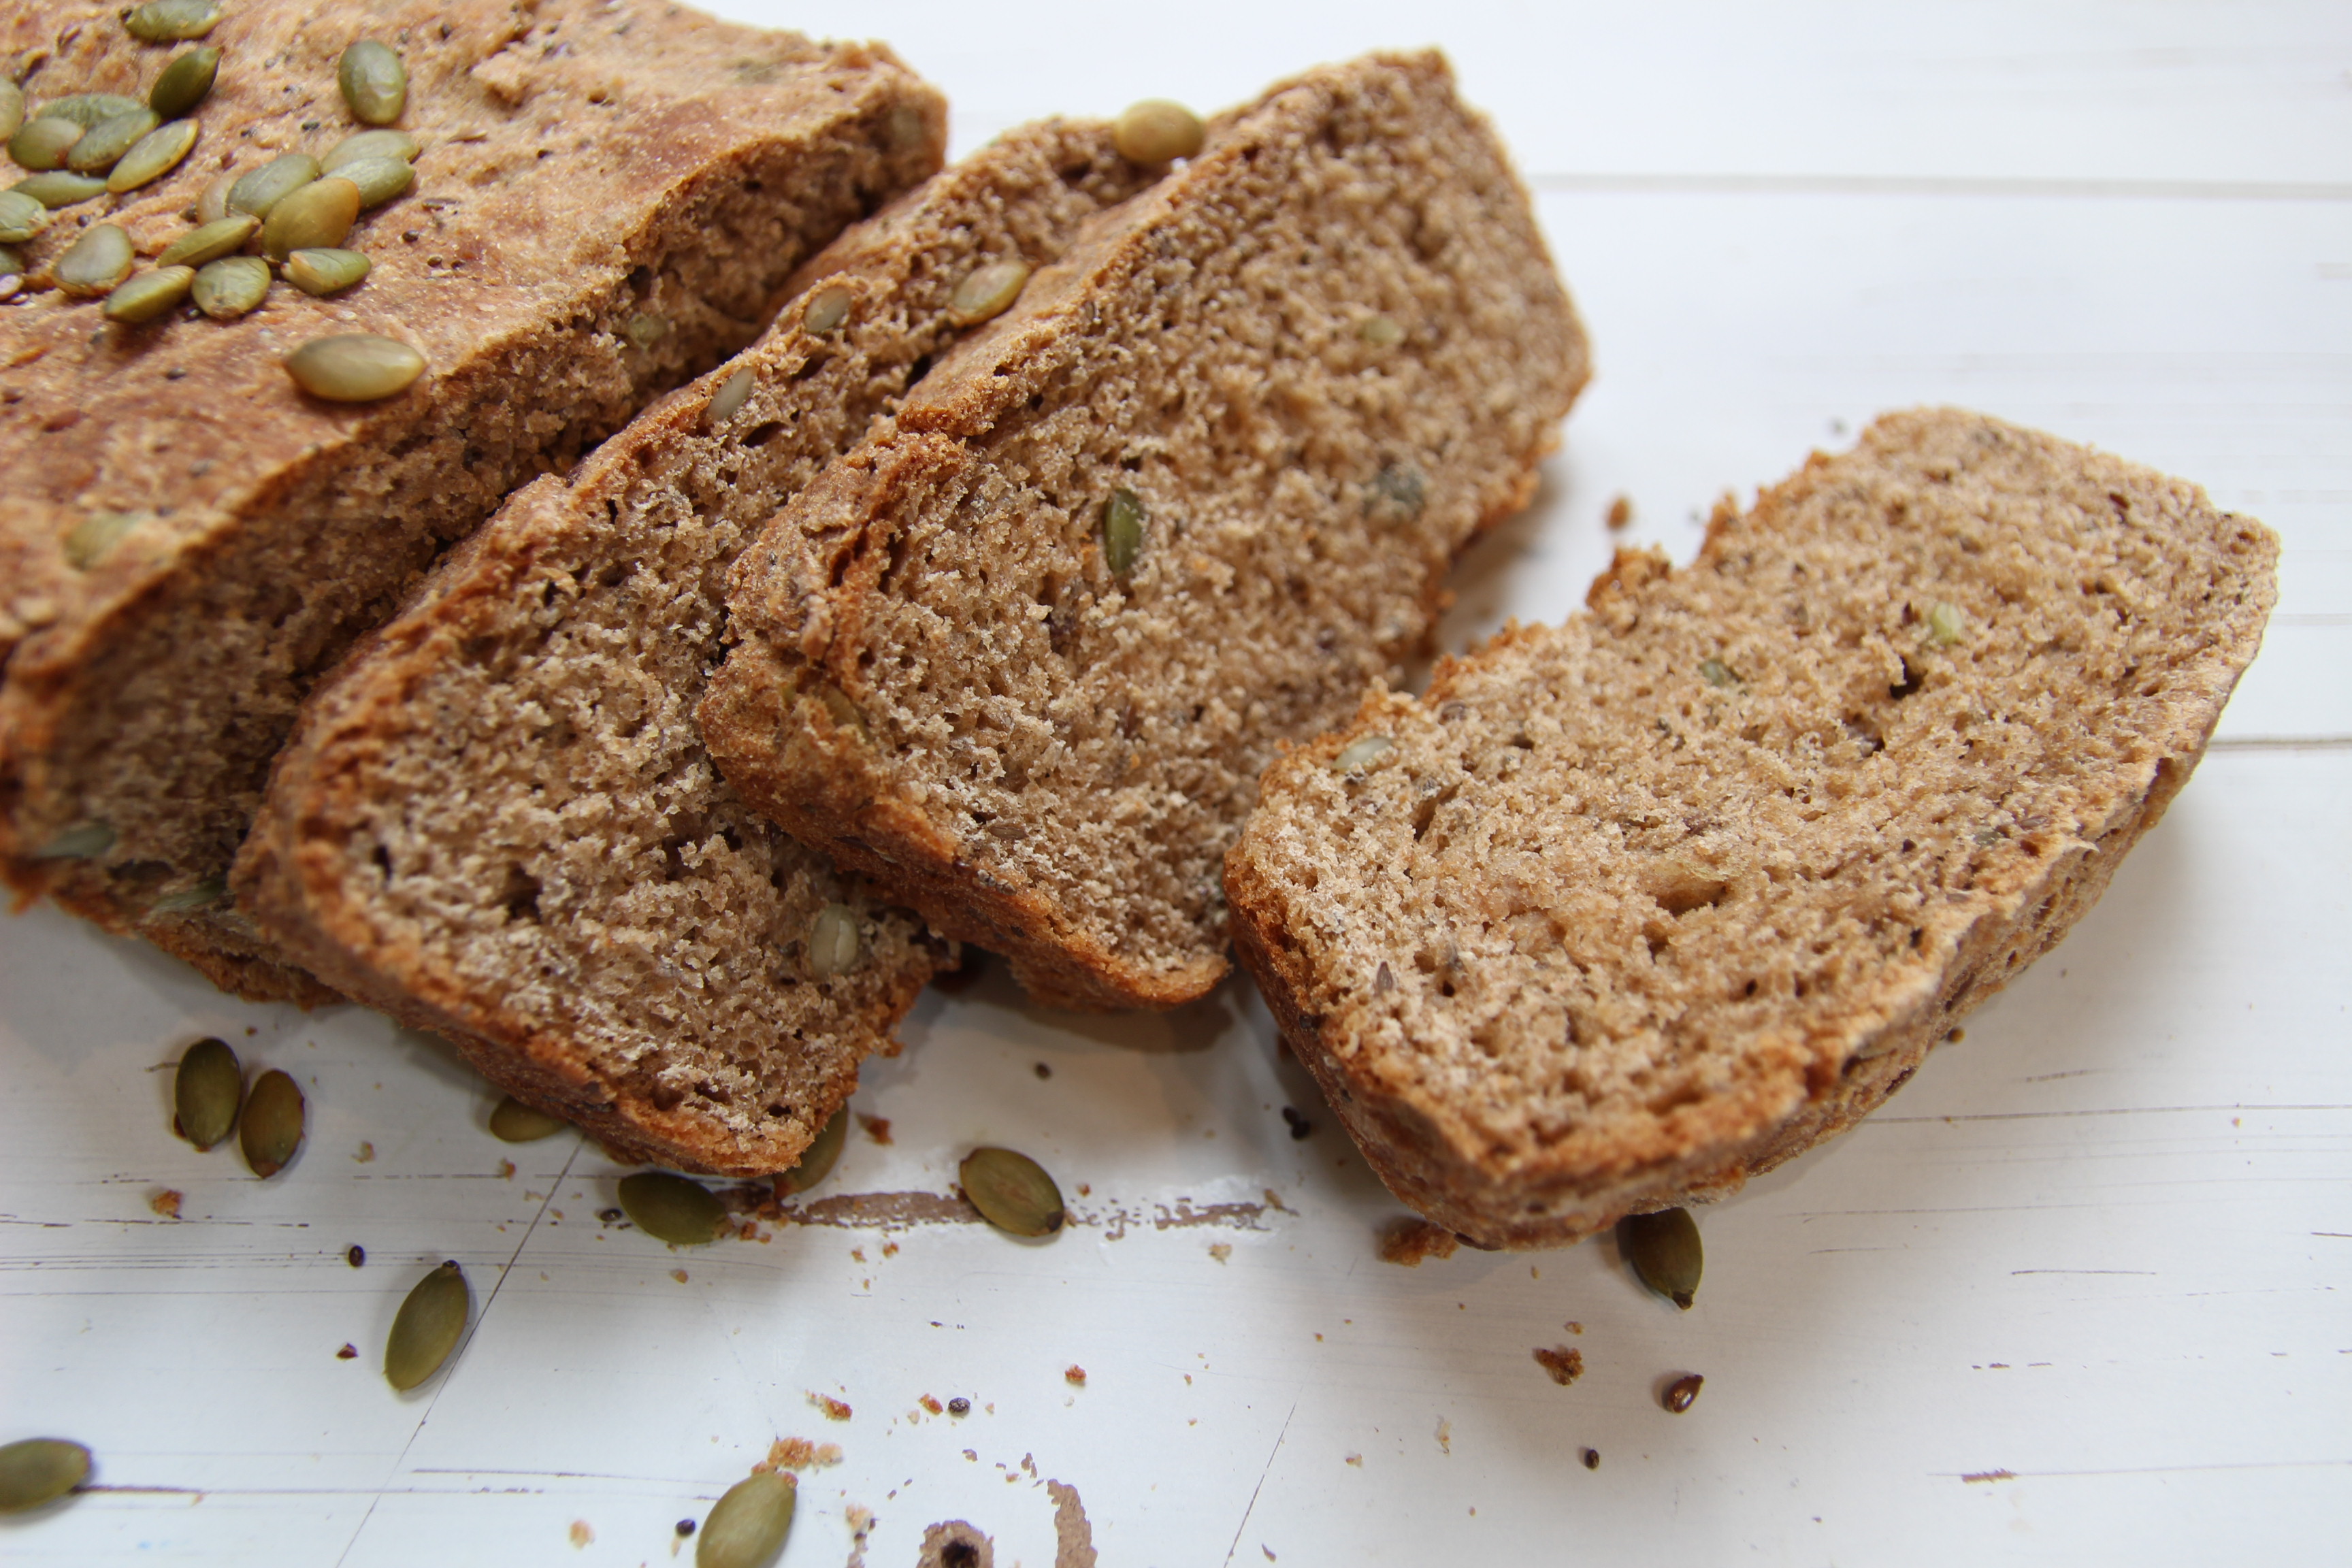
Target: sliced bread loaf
1021, 656
497, 821
609, 200
1625, 911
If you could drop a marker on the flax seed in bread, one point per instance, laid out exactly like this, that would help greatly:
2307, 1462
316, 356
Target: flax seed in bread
1625, 911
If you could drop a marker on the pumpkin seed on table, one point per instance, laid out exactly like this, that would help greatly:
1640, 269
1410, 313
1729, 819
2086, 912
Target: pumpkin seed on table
427, 1327
149, 295
96, 262
56, 188
671, 1208
354, 367
42, 144
35, 1471
362, 145
154, 155
318, 216
379, 179
206, 1091
1122, 532
231, 286
271, 1128
987, 292
1664, 1249
374, 82
21, 217
222, 237
748, 1524
512, 1121
87, 109
12, 108
83, 841
184, 83
826, 309
1157, 131
728, 400
1011, 1192
833, 945
817, 1160
88, 543
259, 190
101, 147
170, 21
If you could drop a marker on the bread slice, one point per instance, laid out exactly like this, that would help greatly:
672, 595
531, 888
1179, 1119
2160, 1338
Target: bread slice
1318, 360
498, 822
609, 200
1625, 911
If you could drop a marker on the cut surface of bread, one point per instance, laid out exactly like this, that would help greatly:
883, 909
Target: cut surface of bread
1624, 912
1021, 656
497, 821
609, 199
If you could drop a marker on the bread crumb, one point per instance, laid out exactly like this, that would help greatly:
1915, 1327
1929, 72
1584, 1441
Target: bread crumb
580, 1534
1573, 1327
890, 1249
1445, 1433
506, 1170
1355, 1459
835, 1410
348, 1353
166, 1203
1621, 511
1410, 1240
366, 1153
1221, 1250
679, 1275
1075, 1375
1085, 1191
790, 1453
933, 1405
1564, 1365
877, 1127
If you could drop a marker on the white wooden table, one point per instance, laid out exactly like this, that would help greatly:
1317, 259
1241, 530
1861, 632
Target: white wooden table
2083, 1292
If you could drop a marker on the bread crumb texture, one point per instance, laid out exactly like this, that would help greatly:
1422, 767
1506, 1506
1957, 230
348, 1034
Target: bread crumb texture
1641, 905
1022, 656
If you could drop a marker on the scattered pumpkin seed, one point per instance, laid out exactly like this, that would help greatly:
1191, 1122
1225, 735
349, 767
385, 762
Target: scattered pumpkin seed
35, 1471
96, 262
826, 309
220, 237
56, 188
426, 1328
318, 216
354, 367
149, 295
102, 145
644, 329
671, 1208
379, 179
170, 21
1011, 1192
1362, 753
1947, 624
1681, 1394
817, 1159
1715, 672
833, 941
1122, 532
271, 1128
212, 202
987, 292
1380, 332
362, 145
12, 108
154, 155
728, 400
512, 1121
196, 896
259, 190
84, 841
184, 83
909, 128
206, 1092
1157, 131
325, 270
747, 1526
21, 217
1664, 1249
11, 264
87, 109
231, 286
95, 535
840, 709
374, 82
1395, 495
43, 142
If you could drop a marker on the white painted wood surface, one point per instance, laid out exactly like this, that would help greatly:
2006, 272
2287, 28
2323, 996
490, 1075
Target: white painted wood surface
2080, 1294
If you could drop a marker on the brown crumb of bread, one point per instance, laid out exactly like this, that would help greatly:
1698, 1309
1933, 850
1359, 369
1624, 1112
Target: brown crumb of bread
1562, 1364
1621, 512
1410, 1240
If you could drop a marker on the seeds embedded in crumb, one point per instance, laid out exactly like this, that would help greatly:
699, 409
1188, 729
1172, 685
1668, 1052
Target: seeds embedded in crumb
170, 21
231, 286
1395, 495
153, 156
206, 1091
427, 1327
1715, 672
212, 202
354, 367
1947, 624
826, 309
103, 144
512, 1121
817, 1160
361, 146
1681, 1394
1664, 1248
833, 943
315, 218
1362, 753
84, 841
319, 272
258, 191
1122, 532
728, 400
35, 1471
62, 188
1157, 131
987, 292
1561, 1364
94, 536
374, 82
379, 179
43, 142
672, 1209
1011, 1192
149, 295
184, 83
271, 1129
1380, 332
209, 243
747, 1526
87, 109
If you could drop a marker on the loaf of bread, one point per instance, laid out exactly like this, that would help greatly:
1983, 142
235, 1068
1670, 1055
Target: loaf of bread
1625, 911
498, 822
609, 199
1021, 656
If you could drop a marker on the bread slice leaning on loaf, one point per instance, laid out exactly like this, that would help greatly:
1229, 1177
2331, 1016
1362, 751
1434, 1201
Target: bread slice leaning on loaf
498, 822
609, 200
1624, 912
1021, 656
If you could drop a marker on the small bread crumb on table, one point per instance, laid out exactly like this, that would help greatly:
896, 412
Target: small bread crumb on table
1410, 1240
1562, 1364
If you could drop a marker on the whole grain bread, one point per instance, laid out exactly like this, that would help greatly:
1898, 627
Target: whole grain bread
1316, 360
609, 199
1623, 912
498, 822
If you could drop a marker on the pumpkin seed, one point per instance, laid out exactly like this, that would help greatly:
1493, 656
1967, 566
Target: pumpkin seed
212, 202
35, 1471
1380, 332
85, 841
986, 291
514, 1123
1011, 1192
747, 1526
259, 190
833, 941
271, 1128
1122, 532
102, 145
1947, 624
322, 271
21, 217
196, 896
671, 1208
149, 295
206, 1092
1664, 1249
58, 188
213, 240
826, 309
426, 1328
95, 535
362, 145
1715, 672
1157, 131
374, 82
11, 264
170, 21
379, 179
88, 109
315, 218
1681, 1394
1395, 495
728, 400
154, 155
354, 367
184, 83
1362, 753
96, 262
817, 1159
12, 108
231, 286
43, 142
644, 329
